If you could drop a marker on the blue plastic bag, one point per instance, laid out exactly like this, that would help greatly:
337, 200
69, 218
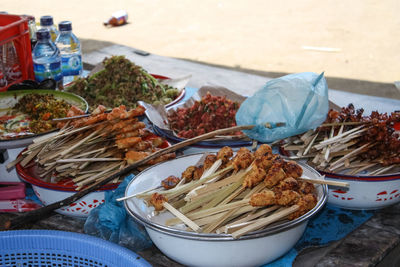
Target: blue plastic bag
110, 221
298, 100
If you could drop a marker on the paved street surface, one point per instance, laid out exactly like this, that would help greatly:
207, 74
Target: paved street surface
346, 39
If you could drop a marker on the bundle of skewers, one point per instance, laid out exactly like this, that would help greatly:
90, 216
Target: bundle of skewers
237, 194
350, 143
88, 149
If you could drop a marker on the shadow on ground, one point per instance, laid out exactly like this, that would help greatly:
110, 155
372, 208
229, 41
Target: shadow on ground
388, 90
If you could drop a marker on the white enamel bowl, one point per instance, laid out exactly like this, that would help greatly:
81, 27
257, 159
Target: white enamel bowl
364, 192
197, 249
49, 193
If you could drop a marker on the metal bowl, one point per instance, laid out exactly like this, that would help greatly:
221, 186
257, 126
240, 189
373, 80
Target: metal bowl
200, 249
365, 192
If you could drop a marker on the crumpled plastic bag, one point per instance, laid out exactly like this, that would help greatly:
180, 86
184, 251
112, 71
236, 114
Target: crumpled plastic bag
111, 222
298, 100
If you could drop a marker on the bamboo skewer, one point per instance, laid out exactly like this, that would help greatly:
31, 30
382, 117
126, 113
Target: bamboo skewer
182, 217
327, 182
265, 221
245, 220
87, 160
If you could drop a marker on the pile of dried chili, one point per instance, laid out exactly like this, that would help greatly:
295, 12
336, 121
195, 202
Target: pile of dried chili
209, 114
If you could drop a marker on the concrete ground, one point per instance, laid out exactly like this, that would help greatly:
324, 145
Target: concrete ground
354, 42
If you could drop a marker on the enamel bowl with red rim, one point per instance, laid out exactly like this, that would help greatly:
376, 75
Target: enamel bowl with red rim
364, 192
178, 98
49, 193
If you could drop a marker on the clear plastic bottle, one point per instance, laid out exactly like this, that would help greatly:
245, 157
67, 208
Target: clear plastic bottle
46, 59
11, 65
32, 30
46, 22
70, 49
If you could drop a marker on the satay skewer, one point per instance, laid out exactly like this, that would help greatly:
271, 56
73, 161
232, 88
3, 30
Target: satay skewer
265, 221
323, 181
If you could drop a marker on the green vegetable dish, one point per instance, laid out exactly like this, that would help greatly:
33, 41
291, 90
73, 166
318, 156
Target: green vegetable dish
121, 82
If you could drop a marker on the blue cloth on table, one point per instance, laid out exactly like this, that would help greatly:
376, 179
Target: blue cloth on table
330, 224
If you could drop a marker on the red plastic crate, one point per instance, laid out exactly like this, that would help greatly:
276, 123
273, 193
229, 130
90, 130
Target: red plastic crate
14, 31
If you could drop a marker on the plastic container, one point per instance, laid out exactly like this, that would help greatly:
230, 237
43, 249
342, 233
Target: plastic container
15, 51
47, 22
46, 59
59, 248
117, 19
70, 49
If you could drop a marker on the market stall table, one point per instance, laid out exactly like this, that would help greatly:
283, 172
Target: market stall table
373, 243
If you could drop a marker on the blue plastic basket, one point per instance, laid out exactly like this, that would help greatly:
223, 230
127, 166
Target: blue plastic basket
59, 248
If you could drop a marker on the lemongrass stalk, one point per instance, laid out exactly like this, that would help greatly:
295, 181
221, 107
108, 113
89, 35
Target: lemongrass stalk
228, 228
257, 224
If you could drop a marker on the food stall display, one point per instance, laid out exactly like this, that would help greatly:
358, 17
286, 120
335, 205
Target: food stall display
90, 148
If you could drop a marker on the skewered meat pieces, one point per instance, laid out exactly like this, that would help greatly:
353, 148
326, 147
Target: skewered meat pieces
254, 177
157, 200
198, 172
192, 173
225, 154
306, 187
127, 142
243, 159
288, 183
292, 169
274, 175
268, 160
268, 197
209, 161
262, 150
286, 197
306, 203
264, 198
170, 182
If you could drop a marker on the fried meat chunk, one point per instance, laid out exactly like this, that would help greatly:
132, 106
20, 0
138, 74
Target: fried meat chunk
264, 198
262, 150
292, 169
274, 175
243, 159
170, 182
286, 197
157, 200
267, 160
209, 161
288, 183
188, 173
306, 187
254, 177
306, 203
198, 172
225, 154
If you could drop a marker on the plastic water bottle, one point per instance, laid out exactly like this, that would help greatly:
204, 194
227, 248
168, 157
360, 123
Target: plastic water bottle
11, 65
70, 48
46, 22
46, 59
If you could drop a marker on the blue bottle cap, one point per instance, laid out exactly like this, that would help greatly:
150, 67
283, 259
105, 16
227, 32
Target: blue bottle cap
65, 26
43, 34
46, 20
